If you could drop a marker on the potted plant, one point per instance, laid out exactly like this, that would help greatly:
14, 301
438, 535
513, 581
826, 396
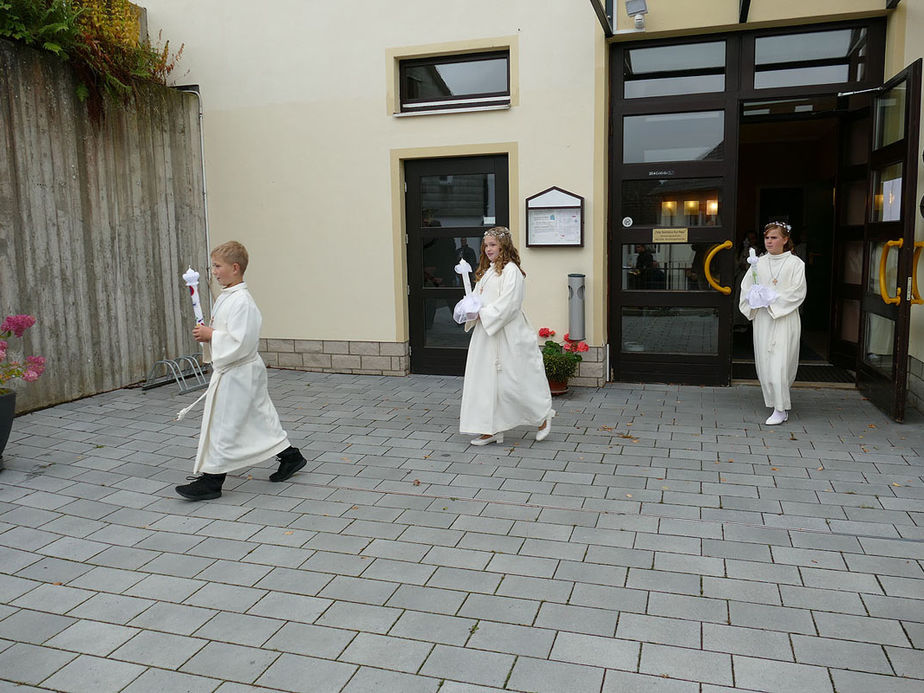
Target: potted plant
14, 366
560, 360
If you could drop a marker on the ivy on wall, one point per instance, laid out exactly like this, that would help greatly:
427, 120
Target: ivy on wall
99, 38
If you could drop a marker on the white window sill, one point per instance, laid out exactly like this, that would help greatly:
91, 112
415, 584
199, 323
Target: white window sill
444, 111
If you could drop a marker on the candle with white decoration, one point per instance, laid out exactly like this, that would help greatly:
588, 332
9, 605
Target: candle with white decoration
191, 277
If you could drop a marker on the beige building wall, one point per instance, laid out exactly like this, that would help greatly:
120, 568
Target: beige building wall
303, 151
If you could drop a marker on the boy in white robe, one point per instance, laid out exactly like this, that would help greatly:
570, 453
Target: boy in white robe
240, 425
777, 326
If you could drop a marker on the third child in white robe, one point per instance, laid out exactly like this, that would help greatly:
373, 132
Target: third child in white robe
505, 384
778, 327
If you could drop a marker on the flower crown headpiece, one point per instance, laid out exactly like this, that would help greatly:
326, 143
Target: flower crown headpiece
497, 232
780, 224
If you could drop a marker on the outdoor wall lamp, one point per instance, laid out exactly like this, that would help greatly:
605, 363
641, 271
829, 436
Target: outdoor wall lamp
712, 207
637, 9
691, 206
669, 207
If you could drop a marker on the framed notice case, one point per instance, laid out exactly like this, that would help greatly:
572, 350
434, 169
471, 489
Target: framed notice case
555, 217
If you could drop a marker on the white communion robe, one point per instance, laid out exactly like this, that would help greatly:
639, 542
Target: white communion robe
505, 384
240, 425
778, 327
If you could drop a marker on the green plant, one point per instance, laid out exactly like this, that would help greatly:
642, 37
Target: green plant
99, 38
560, 360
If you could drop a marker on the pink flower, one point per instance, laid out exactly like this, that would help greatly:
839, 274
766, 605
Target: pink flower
17, 324
30, 376
35, 364
546, 332
581, 346
3, 346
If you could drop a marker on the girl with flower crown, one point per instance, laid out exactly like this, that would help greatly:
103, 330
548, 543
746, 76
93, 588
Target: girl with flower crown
505, 384
771, 293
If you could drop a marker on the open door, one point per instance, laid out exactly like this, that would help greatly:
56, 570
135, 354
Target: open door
888, 242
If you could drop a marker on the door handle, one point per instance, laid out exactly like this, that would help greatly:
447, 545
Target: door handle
883, 289
916, 295
707, 268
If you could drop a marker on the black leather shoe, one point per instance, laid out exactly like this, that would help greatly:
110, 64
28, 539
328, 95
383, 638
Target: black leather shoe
204, 487
290, 461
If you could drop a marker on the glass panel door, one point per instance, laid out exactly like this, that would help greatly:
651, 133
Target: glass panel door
449, 205
885, 308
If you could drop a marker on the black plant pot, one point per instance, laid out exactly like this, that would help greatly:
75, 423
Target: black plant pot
7, 412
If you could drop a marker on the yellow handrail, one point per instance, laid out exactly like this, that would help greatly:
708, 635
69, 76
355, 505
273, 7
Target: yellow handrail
918, 247
883, 289
708, 262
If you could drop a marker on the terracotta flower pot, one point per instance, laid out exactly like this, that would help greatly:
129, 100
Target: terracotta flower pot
558, 387
7, 412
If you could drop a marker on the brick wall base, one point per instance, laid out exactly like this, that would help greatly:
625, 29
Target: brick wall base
325, 356
384, 358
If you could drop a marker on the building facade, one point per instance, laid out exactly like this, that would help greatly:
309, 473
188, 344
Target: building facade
361, 149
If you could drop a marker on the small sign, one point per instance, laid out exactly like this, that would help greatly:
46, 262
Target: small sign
555, 217
627, 222
669, 236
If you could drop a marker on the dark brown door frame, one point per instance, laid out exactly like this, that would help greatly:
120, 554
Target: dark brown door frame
423, 358
889, 393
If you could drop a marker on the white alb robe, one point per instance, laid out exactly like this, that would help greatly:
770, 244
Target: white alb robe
505, 384
240, 425
778, 327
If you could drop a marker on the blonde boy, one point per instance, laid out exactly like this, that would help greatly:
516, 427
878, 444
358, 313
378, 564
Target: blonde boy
240, 426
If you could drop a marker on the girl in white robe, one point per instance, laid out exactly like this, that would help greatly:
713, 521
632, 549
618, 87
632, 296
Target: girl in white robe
777, 327
505, 384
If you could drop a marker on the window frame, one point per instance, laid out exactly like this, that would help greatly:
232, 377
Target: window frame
474, 100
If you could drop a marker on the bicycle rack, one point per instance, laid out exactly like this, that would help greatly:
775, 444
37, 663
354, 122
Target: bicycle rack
186, 371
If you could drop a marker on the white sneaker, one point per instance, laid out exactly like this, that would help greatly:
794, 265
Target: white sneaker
496, 438
777, 417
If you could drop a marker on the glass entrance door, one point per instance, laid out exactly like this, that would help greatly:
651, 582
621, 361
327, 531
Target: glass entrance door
449, 204
885, 309
672, 211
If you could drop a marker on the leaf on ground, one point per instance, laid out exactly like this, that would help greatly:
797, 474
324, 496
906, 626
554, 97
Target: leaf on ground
606, 428
820, 469
289, 533
628, 495
895, 484
624, 435
774, 469
416, 482
872, 426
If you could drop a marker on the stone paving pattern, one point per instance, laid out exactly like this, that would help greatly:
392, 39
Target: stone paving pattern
658, 541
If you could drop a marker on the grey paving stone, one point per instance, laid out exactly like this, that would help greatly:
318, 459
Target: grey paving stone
91, 637
693, 608
858, 682
358, 590
861, 628
234, 662
577, 619
293, 607
54, 598
88, 673
518, 640
758, 642
361, 617
429, 627
369, 680
594, 650
305, 639
678, 662
906, 662
841, 654
780, 677
297, 581
504, 609
35, 627
627, 682
173, 618
663, 581
239, 629
654, 629
544, 676
214, 595
591, 572
159, 680
462, 579
776, 618
391, 652
468, 666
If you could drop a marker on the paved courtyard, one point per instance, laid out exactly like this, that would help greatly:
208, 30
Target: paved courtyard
659, 541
